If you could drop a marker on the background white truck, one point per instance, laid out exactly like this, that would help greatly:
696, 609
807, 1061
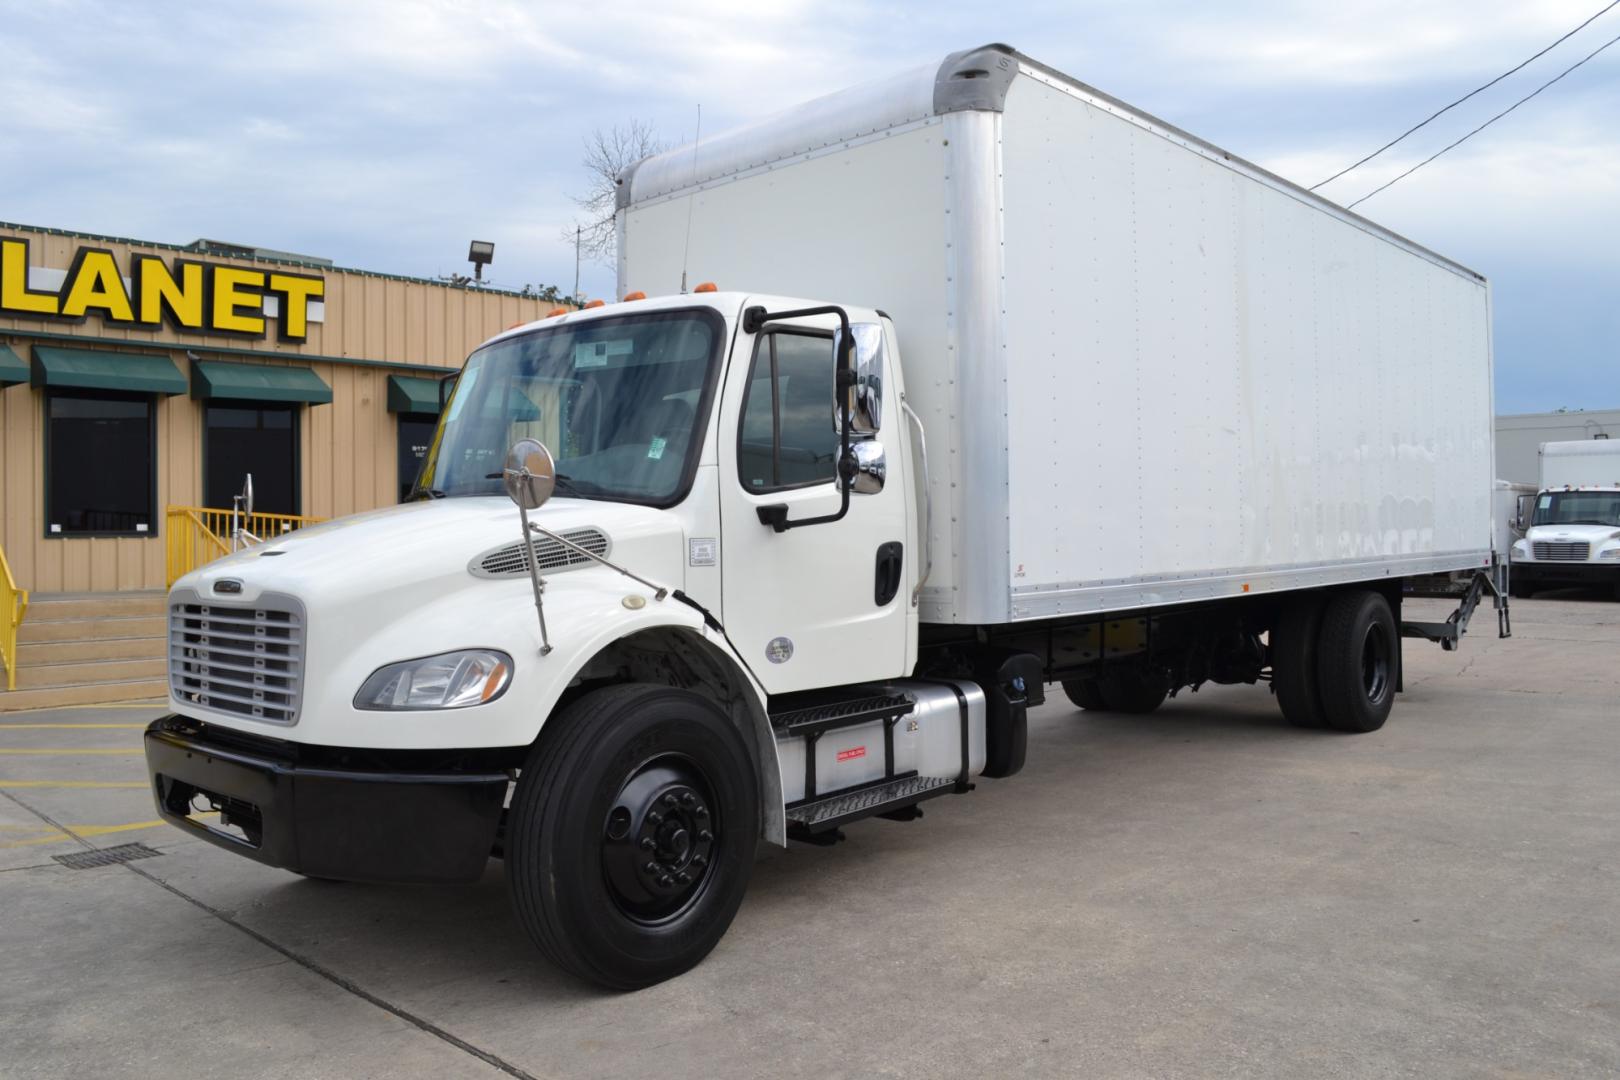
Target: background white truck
1572, 536
1026, 387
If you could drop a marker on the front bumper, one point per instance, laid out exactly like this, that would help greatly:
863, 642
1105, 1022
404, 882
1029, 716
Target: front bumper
1570, 573
298, 808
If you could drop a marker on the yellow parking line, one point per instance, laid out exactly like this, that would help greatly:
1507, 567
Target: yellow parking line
63, 727
71, 750
132, 785
88, 831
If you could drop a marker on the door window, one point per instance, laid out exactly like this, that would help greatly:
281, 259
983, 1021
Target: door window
788, 438
243, 439
415, 435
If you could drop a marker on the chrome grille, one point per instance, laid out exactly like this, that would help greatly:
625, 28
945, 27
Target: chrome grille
550, 555
247, 661
1566, 551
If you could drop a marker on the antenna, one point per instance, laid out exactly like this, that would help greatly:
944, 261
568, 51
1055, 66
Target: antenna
697, 137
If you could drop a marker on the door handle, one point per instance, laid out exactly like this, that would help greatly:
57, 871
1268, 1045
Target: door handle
890, 560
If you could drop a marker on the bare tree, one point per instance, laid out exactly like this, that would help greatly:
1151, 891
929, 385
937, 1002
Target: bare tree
608, 152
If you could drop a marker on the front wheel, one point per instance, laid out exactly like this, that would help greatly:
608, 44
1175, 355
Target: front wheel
632, 834
1129, 691
1085, 694
1520, 590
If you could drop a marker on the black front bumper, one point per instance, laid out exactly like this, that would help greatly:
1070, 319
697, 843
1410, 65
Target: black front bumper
1572, 573
293, 810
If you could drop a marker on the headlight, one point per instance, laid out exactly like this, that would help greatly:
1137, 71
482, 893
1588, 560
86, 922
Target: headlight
450, 680
1612, 553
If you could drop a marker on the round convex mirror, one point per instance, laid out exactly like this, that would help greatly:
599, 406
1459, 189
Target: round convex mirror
530, 473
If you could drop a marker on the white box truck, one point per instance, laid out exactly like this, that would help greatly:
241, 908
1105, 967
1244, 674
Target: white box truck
1010, 385
1572, 536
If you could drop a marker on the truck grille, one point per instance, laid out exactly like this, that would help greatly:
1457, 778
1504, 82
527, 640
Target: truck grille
508, 561
1570, 551
246, 661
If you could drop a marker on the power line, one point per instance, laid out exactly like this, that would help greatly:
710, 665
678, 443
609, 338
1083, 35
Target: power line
1464, 98
1487, 123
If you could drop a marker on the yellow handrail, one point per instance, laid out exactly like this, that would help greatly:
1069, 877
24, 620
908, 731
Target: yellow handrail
13, 606
197, 535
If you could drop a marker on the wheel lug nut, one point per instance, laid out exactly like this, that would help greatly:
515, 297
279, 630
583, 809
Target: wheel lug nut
666, 880
654, 816
670, 800
705, 834
684, 878
688, 799
701, 811
647, 843
651, 867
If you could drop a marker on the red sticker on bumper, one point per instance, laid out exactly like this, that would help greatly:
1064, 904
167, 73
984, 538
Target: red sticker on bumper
851, 755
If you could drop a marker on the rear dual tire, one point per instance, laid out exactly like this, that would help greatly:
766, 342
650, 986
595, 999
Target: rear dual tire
1335, 663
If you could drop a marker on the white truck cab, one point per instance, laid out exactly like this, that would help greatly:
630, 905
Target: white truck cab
1572, 534
680, 574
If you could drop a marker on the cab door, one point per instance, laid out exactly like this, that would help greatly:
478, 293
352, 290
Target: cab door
822, 604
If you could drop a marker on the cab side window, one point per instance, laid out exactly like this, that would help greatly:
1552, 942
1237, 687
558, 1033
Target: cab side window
788, 439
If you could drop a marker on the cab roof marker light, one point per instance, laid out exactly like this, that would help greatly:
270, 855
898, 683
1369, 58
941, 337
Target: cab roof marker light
556, 311
637, 295
707, 286
589, 304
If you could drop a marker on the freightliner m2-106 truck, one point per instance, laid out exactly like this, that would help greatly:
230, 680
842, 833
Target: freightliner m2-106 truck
1019, 387
1572, 536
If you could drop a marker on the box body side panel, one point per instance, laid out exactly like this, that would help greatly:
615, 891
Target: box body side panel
1217, 388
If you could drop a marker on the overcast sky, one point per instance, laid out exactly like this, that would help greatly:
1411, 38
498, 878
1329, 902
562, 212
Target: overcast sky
385, 135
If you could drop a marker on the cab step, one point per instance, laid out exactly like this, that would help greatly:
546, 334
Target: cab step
814, 718
882, 797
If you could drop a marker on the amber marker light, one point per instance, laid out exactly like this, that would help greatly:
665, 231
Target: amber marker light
707, 286
589, 304
637, 295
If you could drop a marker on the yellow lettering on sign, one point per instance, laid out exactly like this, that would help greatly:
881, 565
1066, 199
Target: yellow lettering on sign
15, 295
233, 288
296, 291
157, 292
93, 283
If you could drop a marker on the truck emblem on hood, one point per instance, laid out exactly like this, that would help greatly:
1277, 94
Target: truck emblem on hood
228, 585
780, 650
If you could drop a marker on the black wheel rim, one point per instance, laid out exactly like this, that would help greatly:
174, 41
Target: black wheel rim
660, 837
1375, 663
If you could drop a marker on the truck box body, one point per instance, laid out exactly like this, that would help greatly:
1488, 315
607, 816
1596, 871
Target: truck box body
1149, 372
1580, 463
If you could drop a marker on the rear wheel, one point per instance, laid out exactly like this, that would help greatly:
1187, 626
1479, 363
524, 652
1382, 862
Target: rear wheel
1131, 692
1358, 662
632, 834
1085, 693
1294, 663
1520, 590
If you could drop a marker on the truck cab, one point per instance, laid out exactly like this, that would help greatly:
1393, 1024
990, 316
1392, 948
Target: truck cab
1572, 534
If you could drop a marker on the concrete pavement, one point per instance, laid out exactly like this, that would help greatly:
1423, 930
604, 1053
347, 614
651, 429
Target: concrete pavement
1202, 892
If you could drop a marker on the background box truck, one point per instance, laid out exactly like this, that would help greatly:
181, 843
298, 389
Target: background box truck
1573, 532
1011, 385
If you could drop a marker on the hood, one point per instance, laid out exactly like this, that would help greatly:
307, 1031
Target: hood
432, 547
1591, 534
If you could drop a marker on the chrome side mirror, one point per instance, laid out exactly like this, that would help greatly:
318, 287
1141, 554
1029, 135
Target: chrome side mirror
871, 467
530, 475
864, 399
247, 496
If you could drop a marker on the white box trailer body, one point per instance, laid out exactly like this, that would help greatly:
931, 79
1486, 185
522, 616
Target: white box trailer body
1149, 372
1593, 463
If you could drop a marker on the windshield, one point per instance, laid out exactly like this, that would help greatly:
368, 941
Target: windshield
619, 403
1577, 508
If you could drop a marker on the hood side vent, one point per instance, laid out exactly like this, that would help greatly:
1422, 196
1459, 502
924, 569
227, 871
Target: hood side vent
507, 561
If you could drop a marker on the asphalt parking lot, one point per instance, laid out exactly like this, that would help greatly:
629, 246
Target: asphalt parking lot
1203, 892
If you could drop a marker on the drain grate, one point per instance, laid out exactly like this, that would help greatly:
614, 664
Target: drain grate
111, 856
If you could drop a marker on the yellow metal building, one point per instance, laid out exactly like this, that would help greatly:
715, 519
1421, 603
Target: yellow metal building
139, 378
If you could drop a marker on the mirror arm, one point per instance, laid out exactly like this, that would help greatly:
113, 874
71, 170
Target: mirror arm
775, 515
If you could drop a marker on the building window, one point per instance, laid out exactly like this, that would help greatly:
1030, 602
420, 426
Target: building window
415, 435
100, 455
241, 439
788, 438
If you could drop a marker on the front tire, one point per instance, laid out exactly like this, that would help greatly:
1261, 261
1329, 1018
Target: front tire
1127, 691
1358, 661
632, 834
1520, 590
1085, 694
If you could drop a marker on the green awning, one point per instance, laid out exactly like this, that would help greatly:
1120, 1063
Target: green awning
12, 369
141, 373
408, 394
217, 380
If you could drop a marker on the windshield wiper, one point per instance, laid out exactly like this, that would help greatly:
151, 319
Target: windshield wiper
565, 482
426, 493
